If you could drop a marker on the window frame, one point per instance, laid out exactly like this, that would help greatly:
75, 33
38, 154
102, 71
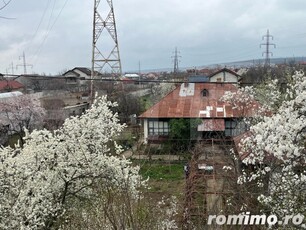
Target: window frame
205, 93
158, 127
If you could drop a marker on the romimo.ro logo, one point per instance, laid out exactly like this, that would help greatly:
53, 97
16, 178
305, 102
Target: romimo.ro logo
247, 219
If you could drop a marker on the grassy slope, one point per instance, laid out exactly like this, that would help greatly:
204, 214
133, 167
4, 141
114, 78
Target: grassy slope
165, 179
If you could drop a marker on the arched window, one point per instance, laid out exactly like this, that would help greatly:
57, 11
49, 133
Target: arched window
205, 93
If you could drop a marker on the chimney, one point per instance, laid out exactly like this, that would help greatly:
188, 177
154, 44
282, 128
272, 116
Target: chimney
186, 83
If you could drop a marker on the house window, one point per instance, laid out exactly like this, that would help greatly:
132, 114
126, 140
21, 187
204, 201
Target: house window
160, 128
219, 79
234, 127
205, 93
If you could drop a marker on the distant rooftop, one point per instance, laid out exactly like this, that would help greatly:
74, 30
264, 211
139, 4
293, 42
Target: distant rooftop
198, 78
10, 85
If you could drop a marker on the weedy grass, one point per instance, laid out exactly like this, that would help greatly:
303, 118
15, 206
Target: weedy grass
165, 179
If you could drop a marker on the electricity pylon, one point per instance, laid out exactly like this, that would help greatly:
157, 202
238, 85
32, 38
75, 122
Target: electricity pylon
267, 44
176, 61
103, 62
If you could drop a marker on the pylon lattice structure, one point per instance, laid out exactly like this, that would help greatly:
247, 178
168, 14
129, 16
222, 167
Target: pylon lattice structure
176, 61
267, 44
107, 61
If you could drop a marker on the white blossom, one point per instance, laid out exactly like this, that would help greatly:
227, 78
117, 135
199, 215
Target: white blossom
277, 147
37, 180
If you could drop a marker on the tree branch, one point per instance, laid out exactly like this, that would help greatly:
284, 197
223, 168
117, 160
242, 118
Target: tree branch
5, 4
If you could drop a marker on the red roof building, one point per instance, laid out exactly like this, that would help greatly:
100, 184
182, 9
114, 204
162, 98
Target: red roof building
199, 101
10, 85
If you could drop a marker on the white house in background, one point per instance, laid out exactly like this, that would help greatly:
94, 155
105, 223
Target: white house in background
225, 75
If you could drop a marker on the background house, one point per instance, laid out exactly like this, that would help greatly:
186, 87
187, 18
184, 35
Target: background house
78, 76
225, 75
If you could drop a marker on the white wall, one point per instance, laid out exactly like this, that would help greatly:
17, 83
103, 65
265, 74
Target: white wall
82, 74
225, 77
145, 131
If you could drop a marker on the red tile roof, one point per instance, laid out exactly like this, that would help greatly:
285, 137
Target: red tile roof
10, 85
189, 102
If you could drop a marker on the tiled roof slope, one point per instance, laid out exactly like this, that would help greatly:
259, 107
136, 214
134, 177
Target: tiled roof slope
10, 85
189, 102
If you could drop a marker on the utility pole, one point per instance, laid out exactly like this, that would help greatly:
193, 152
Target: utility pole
267, 44
24, 63
176, 61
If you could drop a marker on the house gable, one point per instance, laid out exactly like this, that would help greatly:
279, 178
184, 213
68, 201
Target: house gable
79, 72
84, 73
71, 73
225, 75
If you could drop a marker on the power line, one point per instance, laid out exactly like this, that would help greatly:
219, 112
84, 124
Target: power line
40, 22
5, 4
49, 28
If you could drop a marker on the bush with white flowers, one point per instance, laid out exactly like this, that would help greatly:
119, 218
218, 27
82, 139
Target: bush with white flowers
276, 150
38, 180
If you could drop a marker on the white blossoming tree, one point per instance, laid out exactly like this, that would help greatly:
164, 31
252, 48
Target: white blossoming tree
275, 148
39, 180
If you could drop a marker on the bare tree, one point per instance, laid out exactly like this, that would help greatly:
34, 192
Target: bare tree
5, 4
127, 106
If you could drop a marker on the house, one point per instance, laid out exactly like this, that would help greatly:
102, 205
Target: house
10, 86
225, 75
79, 78
222, 75
196, 101
77, 75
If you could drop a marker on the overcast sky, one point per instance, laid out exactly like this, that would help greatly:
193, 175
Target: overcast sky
56, 35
